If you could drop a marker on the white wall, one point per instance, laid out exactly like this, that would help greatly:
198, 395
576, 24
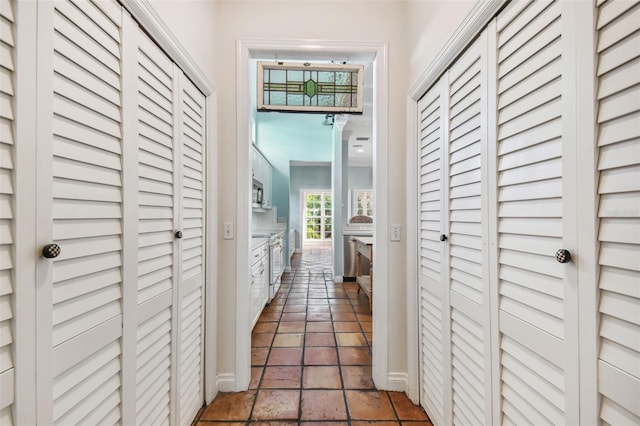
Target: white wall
430, 24
192, 23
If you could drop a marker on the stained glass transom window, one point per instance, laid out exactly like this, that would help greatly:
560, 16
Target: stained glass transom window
310, 87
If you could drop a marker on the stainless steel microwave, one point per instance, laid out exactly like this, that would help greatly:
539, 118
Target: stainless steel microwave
258, 194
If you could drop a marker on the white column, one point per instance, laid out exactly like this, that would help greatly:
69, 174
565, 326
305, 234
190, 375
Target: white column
338, 196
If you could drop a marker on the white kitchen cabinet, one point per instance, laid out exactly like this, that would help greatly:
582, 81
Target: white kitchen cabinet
267, 176
263, 172
259, 285
120, 171
500, 309
292, 243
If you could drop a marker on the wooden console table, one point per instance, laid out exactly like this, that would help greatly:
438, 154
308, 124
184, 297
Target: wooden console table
365, 248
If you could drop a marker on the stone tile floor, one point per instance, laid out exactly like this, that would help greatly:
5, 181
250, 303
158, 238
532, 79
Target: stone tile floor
311, 359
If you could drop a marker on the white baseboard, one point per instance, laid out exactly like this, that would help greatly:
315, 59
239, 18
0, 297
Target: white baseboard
398, 382
226, 382
337, 279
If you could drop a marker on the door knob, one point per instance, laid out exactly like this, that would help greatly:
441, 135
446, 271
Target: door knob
563, 256
51, 251
178, 234
443, 237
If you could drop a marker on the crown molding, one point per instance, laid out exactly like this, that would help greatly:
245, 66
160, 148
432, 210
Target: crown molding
475, 21
144, 13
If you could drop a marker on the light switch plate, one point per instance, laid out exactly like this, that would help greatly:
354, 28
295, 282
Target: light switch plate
227, 232
395, 232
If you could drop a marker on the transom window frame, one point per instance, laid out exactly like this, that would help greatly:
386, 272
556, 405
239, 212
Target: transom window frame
306, 66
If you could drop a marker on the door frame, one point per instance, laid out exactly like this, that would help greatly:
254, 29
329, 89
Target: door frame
247, 49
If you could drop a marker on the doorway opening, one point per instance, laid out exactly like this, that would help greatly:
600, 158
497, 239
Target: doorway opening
373, 54
318, 218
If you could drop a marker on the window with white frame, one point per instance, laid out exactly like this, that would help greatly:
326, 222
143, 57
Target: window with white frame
363, 203
317, 216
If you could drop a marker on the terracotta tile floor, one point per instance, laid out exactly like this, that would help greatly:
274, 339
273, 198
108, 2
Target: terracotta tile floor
311, 359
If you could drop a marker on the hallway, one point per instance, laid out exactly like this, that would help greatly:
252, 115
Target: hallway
311, 358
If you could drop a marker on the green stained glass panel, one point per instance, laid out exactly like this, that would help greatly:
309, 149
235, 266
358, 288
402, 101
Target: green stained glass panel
310, 88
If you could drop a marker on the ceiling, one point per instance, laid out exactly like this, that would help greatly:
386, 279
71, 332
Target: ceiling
358, 133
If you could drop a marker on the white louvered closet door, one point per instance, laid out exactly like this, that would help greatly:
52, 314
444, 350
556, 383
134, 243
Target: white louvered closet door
158, 254
466, 247
7, 209
618, 68
80, 204
537, 298
191, 287
120, 171
431, 128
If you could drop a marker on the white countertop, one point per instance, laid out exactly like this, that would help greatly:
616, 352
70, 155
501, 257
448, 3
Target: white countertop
358, 230
268, 232
258, 241
365, 240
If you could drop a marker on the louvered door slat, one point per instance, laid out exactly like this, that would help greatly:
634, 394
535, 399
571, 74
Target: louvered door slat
530, 173
7, 208
120, 134
77, 160
430, 139
156, 242
467, 133
80, 304
154, 369
618, 32
190, 368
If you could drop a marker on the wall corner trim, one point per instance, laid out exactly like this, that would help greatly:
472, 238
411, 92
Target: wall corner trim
226, 382
143, 12
397, 382
478, 18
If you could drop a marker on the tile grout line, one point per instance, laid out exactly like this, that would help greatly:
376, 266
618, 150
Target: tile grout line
264, 366
335, 338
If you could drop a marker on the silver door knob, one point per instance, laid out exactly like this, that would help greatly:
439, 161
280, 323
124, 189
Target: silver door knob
51, 251
563, 256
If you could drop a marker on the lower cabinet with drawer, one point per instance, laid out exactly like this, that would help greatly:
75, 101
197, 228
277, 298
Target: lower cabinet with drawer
259, 279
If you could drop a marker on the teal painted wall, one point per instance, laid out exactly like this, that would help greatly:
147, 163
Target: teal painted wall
305, 177
285, 137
